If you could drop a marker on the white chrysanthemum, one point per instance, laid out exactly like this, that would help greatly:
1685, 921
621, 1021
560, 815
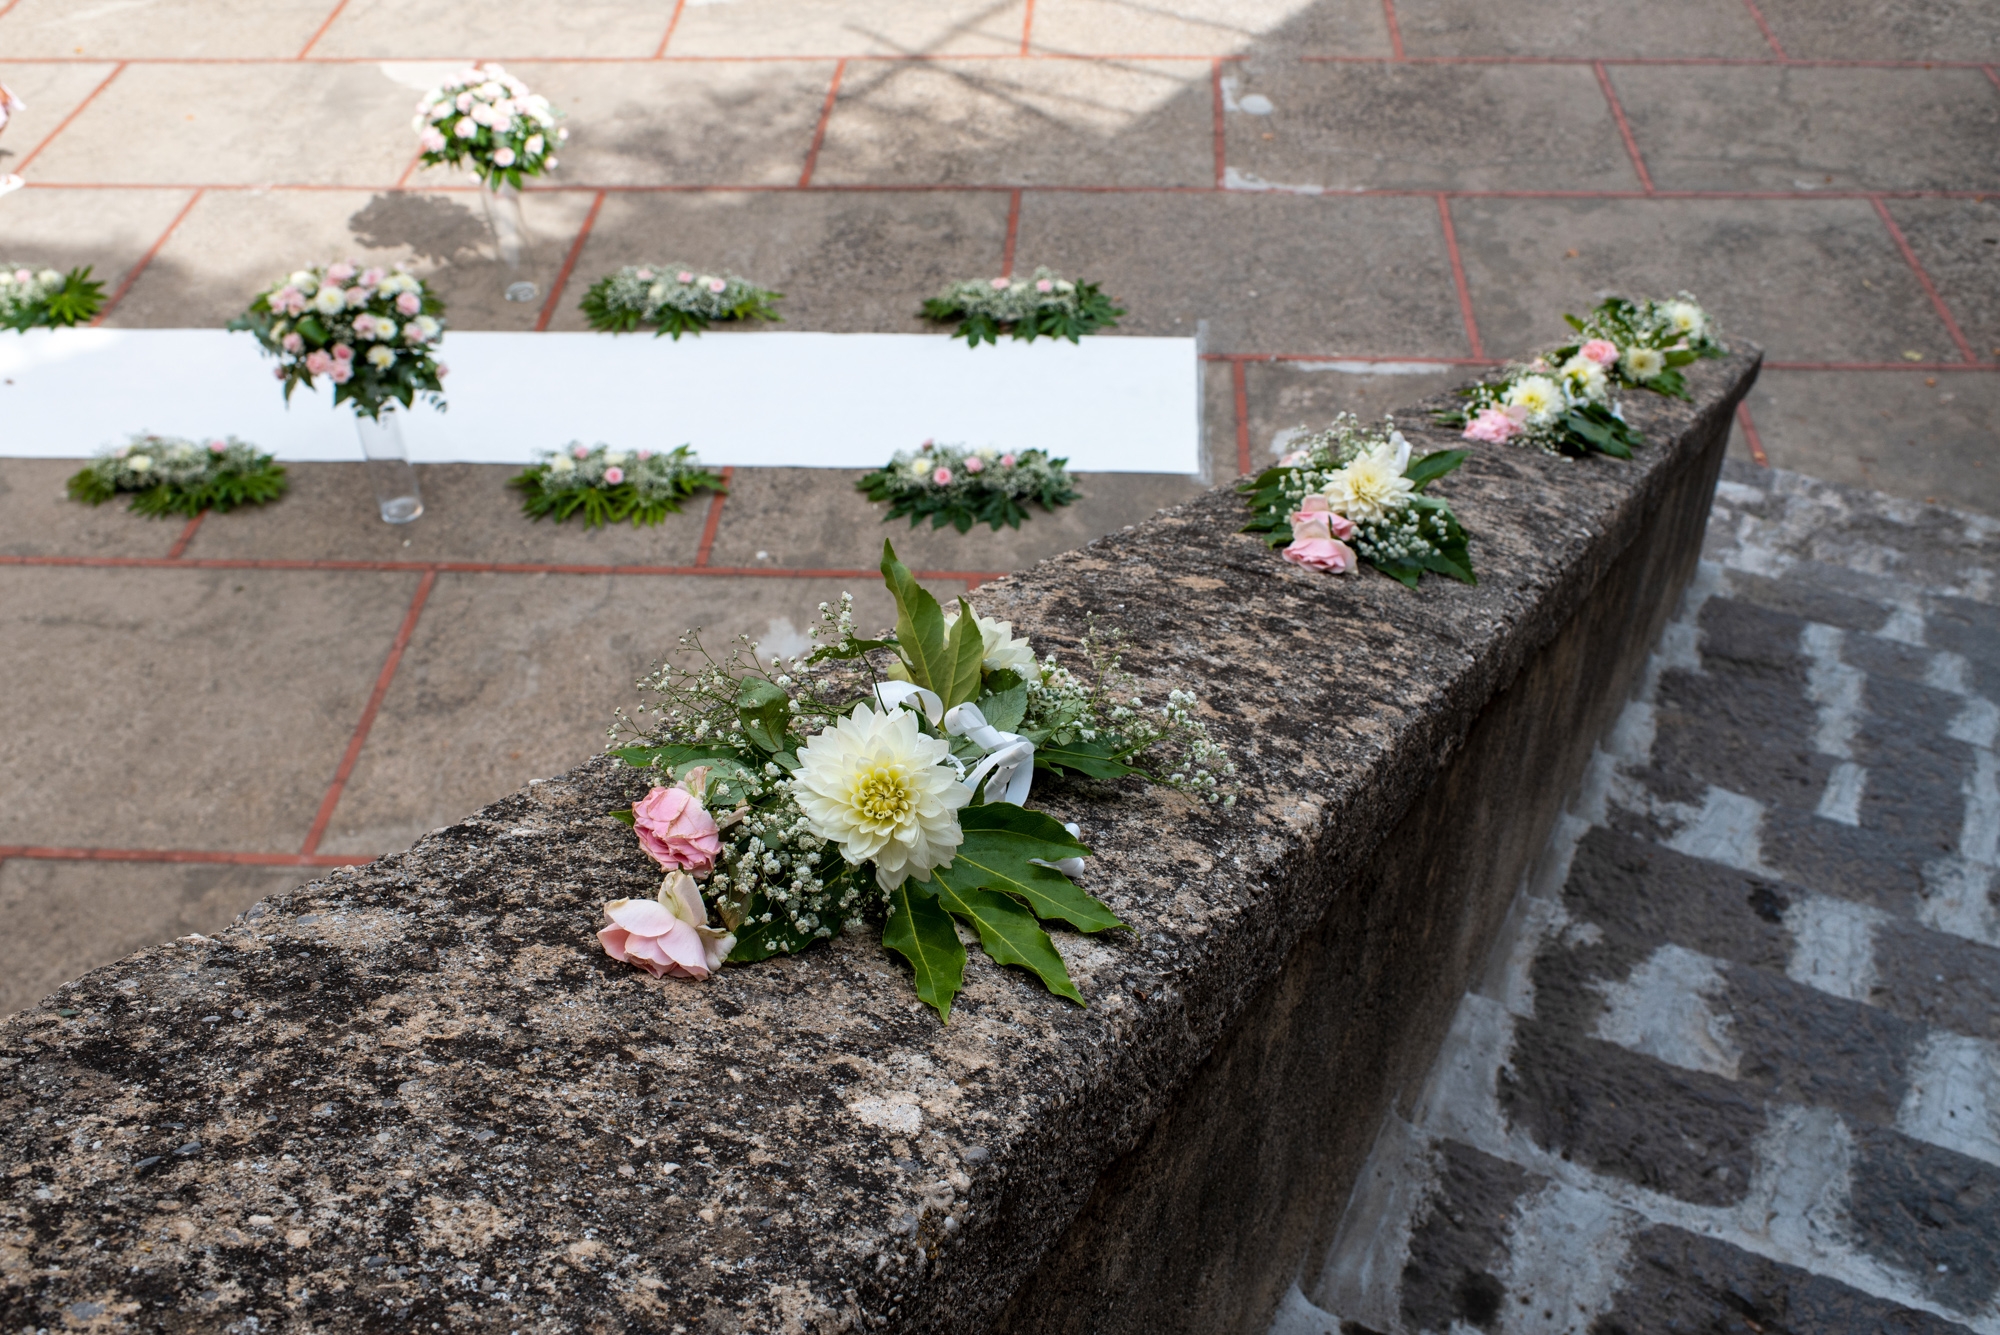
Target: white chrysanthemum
329, 300
1685, 318
1584, 379
1001, 649
876, 786
1642, 364
1539, 396
1372, 485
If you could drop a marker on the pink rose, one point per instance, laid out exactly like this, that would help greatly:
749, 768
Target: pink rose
341, 373
358, 296
668, 937
373, 278
645, 455
409, 303
283, 298
1002, 284
293, 344
339, 273
1602, 351
503, 157
942, 477
217, 447
1492, 426
684, 277
644, 275
975, 464
23, 276
675, 830
1315, 519
1044, 285
614, 475
342, 353
432, 140
716, 284
364, 325
1328, 554
579, 452
318, 363
1006, 461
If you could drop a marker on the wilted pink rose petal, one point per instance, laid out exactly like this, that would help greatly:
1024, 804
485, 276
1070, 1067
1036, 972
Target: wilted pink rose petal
673, 827
1329, 554
1493, 426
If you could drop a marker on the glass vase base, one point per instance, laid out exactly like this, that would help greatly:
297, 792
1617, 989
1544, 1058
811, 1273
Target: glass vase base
401, 509
522, 291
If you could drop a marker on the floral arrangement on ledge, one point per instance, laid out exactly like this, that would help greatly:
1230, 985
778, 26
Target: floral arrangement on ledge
486, 119
372, 332
42, 298
674, 300
803, 799
961, 487
612, 486
1045, 306
166, 475
1561, 402
1350, 495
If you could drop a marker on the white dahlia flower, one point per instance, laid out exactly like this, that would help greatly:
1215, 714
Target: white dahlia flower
1685, 318
1642, 364
879, 788
1538, 395
1584, 379
1372, 486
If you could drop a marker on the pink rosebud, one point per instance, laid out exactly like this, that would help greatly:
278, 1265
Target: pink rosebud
1493, 426
1600, 350
614, 475
217, 447
716, 285
342, 353
318, 363
23, 276
278, 372
645, 455
675, 829
942, 477
684, 277
668, 937
373, 278
357, 296
293, 344
579, 452
644, 275
341, 373
409, 303
1044, 285
1007, 461
1002, 284
1328, 554
975, 464
339, 273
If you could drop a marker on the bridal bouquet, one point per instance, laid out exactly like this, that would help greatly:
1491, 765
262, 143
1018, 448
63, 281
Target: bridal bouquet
1561, 401
1349, 495
885, 780
372, 332
961, 487
674, 300
488, 120
612, 486
31, 297
169, 476
1045, 306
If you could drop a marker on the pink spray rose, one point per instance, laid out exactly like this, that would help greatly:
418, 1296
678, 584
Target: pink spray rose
318, 363
614, 475
1600, 350
373, 278
1316, 538
293, 344
643, 275
503, 157
644, 455
432, 140
217, 447
1495, 426
1006, 461
675, 830
668, 937
684, 277
942, 477
358, 296
579, 452
975, 464
339, 273
364, 325
1044, 285
342, 353
717, 284
409, 303
341, 373
1002, 284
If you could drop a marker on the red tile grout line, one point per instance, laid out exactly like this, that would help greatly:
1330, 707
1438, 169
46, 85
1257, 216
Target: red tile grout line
1027, 26
1395, 28
360, 737
660, 52
568, 265
4, 9
75, 111
56, 853
416, 160
306, 50
1221, 140
1458, 278
186, 537
1765, 28
1992, 75
1750, 434
1013, 232
819, 130
714, 520
1624, 127
479, 567
1924, 280
147, 259
1239, 384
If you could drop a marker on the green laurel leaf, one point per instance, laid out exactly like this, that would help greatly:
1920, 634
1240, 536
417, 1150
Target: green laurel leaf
919, 929
1009, 934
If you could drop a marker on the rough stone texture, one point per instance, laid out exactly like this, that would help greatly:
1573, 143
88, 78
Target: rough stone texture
1732, 1066
418, 1093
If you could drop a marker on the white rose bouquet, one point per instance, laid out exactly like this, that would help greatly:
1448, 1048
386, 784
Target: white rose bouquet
372, 332
961, 487
165, 475
612, 486
486, 119
33, 297
819, 795
674, 299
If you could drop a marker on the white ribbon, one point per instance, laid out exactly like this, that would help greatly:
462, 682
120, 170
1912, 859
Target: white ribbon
891, 694
1009, 767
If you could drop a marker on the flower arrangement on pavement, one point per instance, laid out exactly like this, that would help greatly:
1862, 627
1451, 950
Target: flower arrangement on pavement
1561, 402
485, 119
612, 486
166, 475
674, 299
961, 487
1351, 495
43, 298
1045, 306
807, 798
372, 332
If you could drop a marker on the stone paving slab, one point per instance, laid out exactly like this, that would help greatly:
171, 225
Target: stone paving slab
169, 29
1886, 29
496, 29
1720, 29
768, 28
1209, 27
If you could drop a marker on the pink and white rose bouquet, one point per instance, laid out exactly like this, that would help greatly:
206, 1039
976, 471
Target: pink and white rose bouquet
487, 120
371, 332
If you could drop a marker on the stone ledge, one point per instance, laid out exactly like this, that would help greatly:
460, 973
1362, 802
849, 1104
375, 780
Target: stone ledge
417, 1092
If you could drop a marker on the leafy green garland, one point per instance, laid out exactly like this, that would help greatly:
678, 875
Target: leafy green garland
612, 486
965, 704
1348, 485
33, 298
674, 299
165, 475
1045, 306
960, 487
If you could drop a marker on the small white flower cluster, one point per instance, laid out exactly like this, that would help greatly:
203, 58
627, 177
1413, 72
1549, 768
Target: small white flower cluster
1011, 300
1360, 471
147, 461
647, 292
487, 118
774, 853
1069, 711
22, 287
651, 472
371, 326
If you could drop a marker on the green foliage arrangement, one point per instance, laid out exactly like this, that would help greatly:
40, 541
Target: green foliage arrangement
952, 485
610, 486
674, 300
165, 475
32, 298
1045, 306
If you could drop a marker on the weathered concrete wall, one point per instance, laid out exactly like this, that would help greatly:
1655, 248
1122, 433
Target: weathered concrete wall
417, 1092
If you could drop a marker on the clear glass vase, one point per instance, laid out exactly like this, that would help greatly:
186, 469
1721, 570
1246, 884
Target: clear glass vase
511, 241
389, 469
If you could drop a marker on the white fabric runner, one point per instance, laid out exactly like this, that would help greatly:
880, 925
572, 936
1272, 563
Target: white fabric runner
1108, 404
